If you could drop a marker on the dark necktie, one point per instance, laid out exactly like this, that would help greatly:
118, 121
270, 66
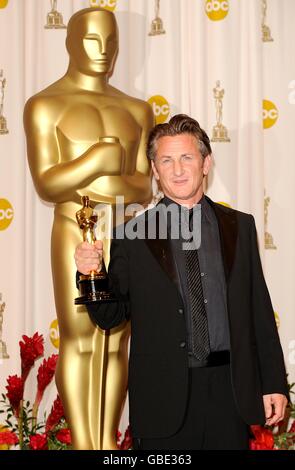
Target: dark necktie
200, 333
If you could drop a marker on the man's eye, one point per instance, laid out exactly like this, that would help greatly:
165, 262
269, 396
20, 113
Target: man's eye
187, 157
166, 160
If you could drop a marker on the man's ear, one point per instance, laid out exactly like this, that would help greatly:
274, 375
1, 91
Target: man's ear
156, 174
207, 164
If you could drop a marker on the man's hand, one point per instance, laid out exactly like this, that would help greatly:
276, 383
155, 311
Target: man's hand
89, 257
274, 407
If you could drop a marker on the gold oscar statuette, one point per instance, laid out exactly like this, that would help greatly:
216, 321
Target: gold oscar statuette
220, 133
266, 32
3, 347
3, 122
157, 24
54, 18
93, 287
268, 238
71, 154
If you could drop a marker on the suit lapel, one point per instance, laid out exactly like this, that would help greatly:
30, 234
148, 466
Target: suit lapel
228, 230
162, 251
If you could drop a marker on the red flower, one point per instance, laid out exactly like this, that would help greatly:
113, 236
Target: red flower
118, 437
9, 438
127, 441
15, 392
264, 439
45, 375
30, 350
38, 442
64, 436
56, 414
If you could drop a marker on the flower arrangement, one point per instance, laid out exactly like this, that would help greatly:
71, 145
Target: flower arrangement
22, 427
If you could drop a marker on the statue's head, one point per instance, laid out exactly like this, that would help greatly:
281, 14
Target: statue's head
92, 41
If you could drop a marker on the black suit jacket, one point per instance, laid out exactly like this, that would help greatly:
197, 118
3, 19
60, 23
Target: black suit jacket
143, 274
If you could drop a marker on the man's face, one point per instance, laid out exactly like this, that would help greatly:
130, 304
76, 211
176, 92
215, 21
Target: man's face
93, 46
179, 167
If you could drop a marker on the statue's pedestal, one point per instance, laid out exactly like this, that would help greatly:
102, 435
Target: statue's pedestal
266, 34
220, 134
268, 242
3, 350
157, 27
3, 125
55, 21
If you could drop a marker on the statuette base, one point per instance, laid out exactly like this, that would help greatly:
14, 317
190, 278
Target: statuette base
268, 242
220, 134
3, 125
55, 21
157, 27
3, 350
266, 34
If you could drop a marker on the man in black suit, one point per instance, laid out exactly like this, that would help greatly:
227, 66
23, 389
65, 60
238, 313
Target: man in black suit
205, 356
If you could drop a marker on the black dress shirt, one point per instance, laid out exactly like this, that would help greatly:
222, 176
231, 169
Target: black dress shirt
212, 274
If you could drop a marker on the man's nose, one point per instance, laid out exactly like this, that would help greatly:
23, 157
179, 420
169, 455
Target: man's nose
177, 167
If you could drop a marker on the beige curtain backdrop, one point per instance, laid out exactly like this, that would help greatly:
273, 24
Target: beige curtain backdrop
204, 42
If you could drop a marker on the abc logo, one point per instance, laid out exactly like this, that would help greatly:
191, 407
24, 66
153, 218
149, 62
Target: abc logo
277, 319
3, 3
270, 114
217, 9
54, 334
6, 214
160, 107
107, 4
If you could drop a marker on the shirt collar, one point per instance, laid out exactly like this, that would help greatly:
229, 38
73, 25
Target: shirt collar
167, 201
206, 209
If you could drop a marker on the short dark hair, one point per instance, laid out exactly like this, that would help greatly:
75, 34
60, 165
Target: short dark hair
178, 124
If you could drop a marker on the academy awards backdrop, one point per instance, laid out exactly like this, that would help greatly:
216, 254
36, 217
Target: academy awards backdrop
228, 63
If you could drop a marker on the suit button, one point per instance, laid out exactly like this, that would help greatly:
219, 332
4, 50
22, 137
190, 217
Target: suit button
180, 310
182, 344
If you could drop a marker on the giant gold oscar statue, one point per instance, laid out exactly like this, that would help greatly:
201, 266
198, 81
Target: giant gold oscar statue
70, 155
